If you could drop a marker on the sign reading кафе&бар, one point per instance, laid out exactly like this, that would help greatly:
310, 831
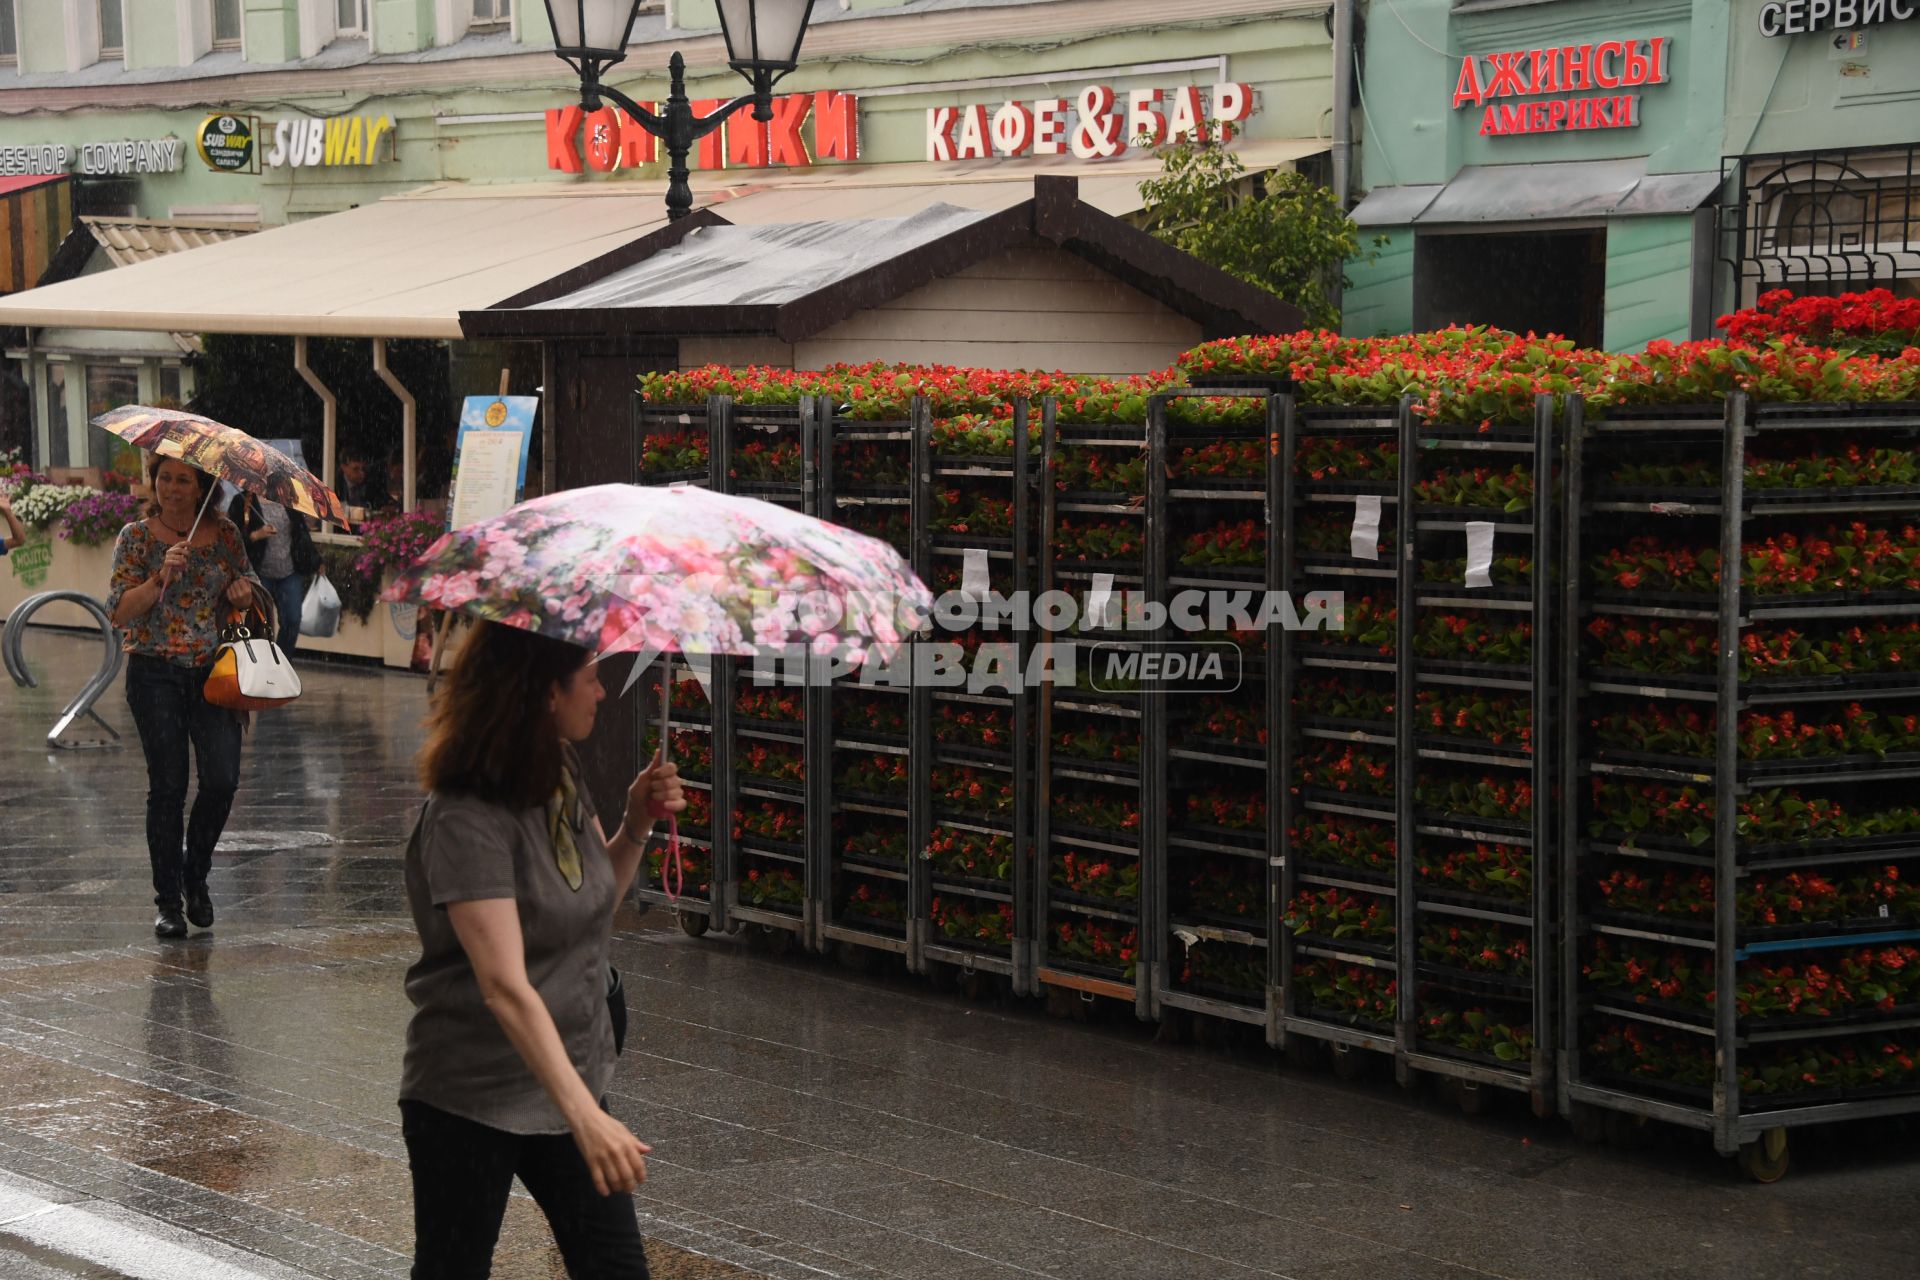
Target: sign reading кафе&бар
1553, 76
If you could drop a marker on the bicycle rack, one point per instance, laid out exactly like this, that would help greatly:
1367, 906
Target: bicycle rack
82, 704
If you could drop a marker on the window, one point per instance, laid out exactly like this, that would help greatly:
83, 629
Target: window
492, 13
9, 47
350, 17
57, 452
1825, 223
113, 39
226, 24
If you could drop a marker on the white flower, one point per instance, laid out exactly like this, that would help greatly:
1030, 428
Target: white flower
41, 505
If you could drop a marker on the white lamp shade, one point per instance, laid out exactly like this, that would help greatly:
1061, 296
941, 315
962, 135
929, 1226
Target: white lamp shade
592, 24
765, 33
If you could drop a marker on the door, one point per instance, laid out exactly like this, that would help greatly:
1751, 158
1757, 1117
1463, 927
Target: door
1527, 281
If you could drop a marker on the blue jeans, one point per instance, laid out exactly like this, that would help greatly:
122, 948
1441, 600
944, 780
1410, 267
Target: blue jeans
289, 593
172, 714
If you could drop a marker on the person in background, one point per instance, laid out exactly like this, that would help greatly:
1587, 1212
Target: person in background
359, 487
14, 533
172, 583
282, 552
512, 884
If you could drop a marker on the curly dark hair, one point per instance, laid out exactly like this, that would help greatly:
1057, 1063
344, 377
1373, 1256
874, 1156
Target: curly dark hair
153, 480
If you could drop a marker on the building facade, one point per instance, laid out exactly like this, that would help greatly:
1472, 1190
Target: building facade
255, 113
1624, 172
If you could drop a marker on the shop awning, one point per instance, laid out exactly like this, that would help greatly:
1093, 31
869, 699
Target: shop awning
408, 266
1539, 193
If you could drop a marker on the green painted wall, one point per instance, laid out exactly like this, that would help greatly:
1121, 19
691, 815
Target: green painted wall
402, 26
43, 37
1380, 299
151, 32
1798, 93
1411, 133
272, 30
1649, 269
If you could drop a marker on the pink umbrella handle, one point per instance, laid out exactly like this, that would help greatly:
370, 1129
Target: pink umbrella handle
671, 865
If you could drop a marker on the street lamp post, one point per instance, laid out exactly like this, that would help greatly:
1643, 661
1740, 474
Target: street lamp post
763, 44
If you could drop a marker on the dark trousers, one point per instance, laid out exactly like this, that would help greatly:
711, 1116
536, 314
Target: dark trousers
289, 593
462, 1173
171, 713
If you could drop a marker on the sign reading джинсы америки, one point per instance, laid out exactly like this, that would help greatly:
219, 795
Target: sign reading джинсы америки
1802, 17
1552, 76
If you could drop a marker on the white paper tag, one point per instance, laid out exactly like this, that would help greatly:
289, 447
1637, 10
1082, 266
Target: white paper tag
1102, 609
976, 583
1366, 527
1479, 553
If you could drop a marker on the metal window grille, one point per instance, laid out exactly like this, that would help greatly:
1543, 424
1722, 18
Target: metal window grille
1823, 223
226, 24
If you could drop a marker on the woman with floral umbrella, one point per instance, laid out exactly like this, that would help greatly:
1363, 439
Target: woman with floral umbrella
226, 453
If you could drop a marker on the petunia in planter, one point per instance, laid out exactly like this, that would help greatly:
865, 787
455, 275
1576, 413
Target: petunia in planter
96, 520
1228, 888
970, 790
869, 902
1228, 808
770, 820
1099, 470
982, 728
1344, 992
1512, 570
1491, 798
1341, 840
1476, 1030
1343, 460
696, 868
1365, 622
970, 855
771, 887
1235, 545
876, 714
1098, 944
1098, 541
1336, 699
1110, 878
766, 462
1217, 460
769, 705
876, 844
1484, 488
1096, 810
1229, 720
1501, 871
1497, 719
770, 762
1474, 636
1347, 768
674, 453
980, 515
875, 775
981, 924
1496, 950
871, 465
1090, 742
1338, 915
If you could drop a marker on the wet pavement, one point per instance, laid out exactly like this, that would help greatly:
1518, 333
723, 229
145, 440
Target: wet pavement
234, 1094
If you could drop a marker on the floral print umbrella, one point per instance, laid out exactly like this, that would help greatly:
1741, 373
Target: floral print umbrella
621, 569
226, 453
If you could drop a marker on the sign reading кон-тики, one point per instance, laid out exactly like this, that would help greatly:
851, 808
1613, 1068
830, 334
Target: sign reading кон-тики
1552, 73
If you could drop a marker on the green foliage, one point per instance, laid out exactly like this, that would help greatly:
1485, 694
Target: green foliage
358, 593
1280, 231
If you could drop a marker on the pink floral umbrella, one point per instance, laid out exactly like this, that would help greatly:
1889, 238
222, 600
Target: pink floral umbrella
625, 569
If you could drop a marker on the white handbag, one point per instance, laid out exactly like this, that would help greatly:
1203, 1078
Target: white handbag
320, 613
250, 673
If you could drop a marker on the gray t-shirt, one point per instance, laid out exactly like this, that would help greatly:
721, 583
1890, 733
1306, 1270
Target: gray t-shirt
277, 560
458, 1058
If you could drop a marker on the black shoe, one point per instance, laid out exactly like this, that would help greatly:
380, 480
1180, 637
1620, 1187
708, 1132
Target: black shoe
169, 923
200, 908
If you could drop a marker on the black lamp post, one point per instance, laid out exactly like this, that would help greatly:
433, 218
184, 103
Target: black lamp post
763, 44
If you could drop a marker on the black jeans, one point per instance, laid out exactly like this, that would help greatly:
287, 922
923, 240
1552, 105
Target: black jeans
171, 713
462, 1173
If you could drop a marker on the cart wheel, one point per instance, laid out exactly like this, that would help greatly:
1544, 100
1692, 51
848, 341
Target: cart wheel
694, 926
1589, 1123
781, 942
1472, 1097
1349, 1063
1766, 1158
859, 959
975, 986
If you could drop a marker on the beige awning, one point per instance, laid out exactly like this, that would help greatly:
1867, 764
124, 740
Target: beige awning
406, 267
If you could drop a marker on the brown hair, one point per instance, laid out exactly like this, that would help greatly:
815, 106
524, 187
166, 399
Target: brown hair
153, 482
490, 732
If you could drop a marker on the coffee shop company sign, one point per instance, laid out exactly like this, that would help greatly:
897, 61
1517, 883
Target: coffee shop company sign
93, 159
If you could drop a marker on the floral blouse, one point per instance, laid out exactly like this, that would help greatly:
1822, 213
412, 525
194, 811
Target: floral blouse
184, 627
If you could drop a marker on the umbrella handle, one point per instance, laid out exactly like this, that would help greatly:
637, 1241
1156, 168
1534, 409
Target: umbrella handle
654, 810
213, 487
672, 865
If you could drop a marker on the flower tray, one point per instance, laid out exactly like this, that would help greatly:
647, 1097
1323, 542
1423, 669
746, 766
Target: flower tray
994, 461
1251, 837
862, 860
785, 728
1352, 946
1781, 496
1446, 742
1520, 595
1864, 1017
1381, 805
1865, 1091
848, 488
873, 924
750, 844
1226, 995
1251, 487
1451, 666
1132, 567
783, 788
1102, 497
1121, 769
1001, 821
1073, 831
1473, 822
850, 733
1467, 898
1120, 906
1495, 985
1708, 413
1496, 515
1271, 383
947, 878
1343, 652
1383, 488
1779, 1101
772, 908
1458, 1054
1070, 431
661, 478
1319, 417
1341, 724
1690, 1094
1866, 846
1225, 747
947, 539
1087, 969
1237, 572
967, 751
1343, 1018
1335, 871
768, 488
1838, 410
870, 798
1244, 924
1702, 927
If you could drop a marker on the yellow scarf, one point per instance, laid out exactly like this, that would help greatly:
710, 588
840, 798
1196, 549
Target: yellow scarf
565, 823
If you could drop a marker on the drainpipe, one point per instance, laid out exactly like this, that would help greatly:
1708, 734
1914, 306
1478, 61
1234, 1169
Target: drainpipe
1342, 100
329, 414
409, 416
